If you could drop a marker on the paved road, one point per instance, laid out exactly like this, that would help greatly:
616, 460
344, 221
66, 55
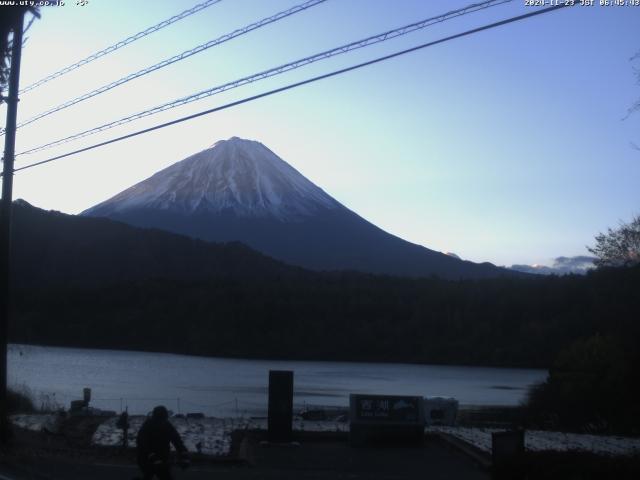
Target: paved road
309, 461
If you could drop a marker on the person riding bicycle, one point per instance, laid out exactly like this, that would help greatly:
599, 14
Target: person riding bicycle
153, 447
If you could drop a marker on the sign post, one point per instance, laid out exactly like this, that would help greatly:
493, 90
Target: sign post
280, 405
386, 419
506, 449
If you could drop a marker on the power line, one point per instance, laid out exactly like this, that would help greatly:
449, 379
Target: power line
382, 37
299, 84
176, 58
121, 43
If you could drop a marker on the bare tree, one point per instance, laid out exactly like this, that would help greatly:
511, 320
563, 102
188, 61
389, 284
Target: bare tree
636, 71
636, 105
618, 247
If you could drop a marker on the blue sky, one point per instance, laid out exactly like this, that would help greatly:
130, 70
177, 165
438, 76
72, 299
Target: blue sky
508, 146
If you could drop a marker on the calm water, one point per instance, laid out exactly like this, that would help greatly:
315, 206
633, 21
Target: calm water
225, 387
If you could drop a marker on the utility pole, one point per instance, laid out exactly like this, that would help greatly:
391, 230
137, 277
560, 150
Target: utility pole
5, 216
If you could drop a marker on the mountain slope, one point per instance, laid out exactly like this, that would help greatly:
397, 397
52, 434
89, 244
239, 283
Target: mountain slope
239, 190
52, 249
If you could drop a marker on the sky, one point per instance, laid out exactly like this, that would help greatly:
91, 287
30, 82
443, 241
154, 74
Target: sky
509, 146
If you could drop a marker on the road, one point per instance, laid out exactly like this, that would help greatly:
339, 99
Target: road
307, 461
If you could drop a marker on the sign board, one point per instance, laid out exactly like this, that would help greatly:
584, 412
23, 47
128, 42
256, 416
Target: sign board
506, 447
386, 418
280, 415
440, 411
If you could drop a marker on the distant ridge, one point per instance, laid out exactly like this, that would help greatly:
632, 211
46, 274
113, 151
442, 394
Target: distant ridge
239, 190
54, 250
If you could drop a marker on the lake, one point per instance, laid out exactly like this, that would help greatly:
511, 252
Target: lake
227, 387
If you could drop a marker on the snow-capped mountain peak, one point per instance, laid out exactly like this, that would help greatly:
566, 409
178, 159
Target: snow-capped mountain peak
239, 190
239, 176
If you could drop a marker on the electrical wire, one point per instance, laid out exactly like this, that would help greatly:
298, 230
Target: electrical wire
301, 83
176, 58
116, 46
381, 37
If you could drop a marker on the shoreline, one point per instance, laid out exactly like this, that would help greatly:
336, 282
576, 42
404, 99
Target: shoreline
218, 437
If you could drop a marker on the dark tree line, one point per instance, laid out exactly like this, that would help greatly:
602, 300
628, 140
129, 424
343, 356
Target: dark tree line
618, 247
340, 317
97, 283
593, 380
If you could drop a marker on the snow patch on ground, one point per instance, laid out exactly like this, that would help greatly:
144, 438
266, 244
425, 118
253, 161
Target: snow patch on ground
300, 425
36, 423
213, 435
538, 440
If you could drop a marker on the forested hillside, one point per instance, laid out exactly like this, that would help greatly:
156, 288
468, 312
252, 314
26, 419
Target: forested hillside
96, 283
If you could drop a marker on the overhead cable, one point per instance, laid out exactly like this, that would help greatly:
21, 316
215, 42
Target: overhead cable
298, 84
381, 37
121, 43
176, 58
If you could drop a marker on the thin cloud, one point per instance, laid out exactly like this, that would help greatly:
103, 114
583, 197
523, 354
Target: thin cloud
579, 264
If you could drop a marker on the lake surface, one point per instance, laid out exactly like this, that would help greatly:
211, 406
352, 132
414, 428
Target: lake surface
227, 387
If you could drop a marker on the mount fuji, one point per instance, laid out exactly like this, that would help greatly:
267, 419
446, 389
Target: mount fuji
239, 190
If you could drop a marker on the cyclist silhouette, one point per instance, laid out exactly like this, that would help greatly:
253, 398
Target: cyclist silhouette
153, 446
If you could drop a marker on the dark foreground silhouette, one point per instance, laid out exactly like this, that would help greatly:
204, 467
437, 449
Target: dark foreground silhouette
153, 446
